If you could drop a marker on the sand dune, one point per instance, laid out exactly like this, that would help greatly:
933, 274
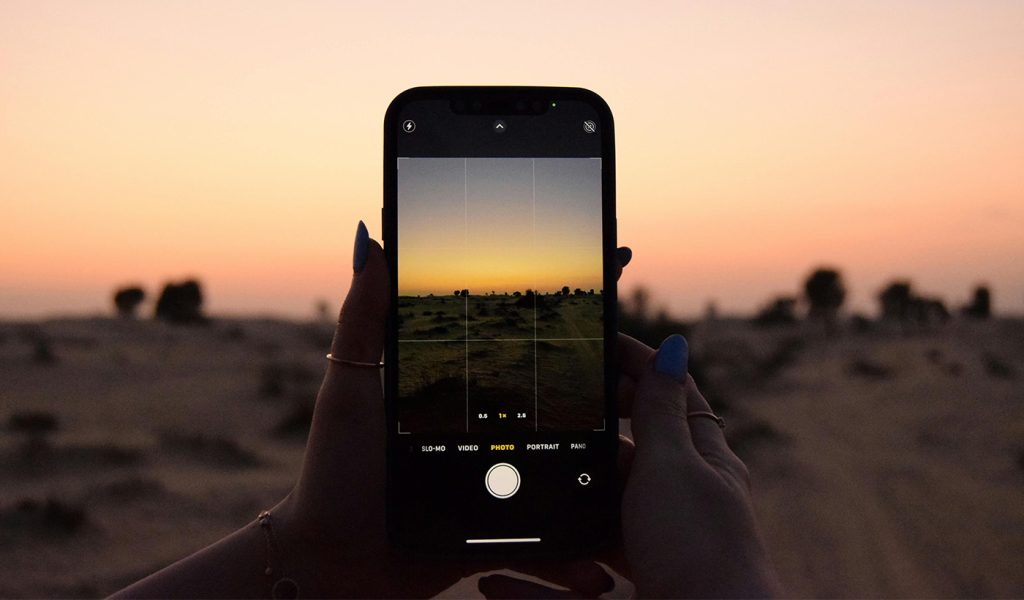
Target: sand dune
884, 464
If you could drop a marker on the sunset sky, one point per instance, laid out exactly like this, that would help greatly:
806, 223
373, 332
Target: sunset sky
240, 142
498, 224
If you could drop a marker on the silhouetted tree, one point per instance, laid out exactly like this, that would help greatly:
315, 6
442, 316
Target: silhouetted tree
516, 294
780, 311
181, 303
639, 303
458, 293
895, 300
322, 309
565, 290
929, 310
591, 292
577, 292
981, 305
825, 292
464, 293
127, 300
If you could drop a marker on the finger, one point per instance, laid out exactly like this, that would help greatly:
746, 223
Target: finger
708, 437
503, 586
626, 393
627, 451
659, 408
582, 576
633, 356
623, 255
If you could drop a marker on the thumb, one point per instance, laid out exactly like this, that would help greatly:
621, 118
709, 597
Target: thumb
659, 408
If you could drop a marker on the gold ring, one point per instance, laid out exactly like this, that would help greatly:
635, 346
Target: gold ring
354, 363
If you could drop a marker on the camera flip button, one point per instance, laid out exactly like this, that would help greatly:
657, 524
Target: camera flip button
502, 480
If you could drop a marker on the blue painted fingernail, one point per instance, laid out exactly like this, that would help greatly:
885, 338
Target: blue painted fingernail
672, 357
624, 255
359, 254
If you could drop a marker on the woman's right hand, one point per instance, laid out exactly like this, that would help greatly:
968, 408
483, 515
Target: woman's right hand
687, 517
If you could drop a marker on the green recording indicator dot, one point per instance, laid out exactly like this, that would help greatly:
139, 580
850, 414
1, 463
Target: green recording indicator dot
554, 104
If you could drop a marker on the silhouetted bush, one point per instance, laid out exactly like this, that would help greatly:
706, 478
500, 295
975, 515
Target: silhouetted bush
898, 302
895, 300
42, 352
127, 300
32, 422
181, 303
860, 323
996, 367
51, 516
825, 292
981, 304
781, 311
867, 369
929, 310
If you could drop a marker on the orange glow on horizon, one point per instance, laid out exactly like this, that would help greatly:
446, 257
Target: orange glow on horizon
240, 142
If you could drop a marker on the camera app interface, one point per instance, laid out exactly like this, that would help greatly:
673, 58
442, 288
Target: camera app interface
500, 299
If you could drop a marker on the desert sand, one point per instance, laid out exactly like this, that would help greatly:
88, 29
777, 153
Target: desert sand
884, 463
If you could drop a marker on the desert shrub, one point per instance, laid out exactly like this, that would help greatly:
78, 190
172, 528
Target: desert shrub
899, 302
127, 300
234, 333
780, 311
825, 293
895, 301
42, 352
981, 304
868, 369
50, 516
996, 367
181, 303
272, 380
32, 422
860, 323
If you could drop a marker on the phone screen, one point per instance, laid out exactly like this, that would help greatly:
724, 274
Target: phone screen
497, 230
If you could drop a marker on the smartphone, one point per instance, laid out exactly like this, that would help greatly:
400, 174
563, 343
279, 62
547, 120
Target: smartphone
499, 378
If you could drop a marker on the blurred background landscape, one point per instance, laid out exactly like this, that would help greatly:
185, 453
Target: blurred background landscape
826, 198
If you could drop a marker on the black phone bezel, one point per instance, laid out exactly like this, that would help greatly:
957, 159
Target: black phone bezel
492, 100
